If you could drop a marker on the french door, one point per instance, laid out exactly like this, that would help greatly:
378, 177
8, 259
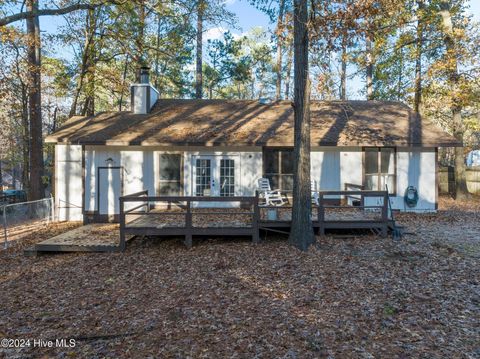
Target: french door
214, 176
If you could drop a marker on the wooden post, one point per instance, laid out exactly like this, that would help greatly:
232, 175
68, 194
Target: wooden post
122, 225
321, 216
147, 201
385, 215
255, 220
188, 226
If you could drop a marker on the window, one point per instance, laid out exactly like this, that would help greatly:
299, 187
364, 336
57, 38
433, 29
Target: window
380, 168
278, 168
170, 179
203, 178
227, 178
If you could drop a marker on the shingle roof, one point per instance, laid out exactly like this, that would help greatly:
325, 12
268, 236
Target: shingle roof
250, 123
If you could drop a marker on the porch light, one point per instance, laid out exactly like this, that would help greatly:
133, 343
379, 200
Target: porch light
110, 161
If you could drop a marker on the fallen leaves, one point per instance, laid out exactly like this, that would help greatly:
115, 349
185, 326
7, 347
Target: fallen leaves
358, 297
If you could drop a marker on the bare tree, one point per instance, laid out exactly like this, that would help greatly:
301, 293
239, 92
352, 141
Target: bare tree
90, 56
25, 15
36, 189
278, 66
449, 40
343, 68
301, 234
369, 59
199, 51
418, 58
289, 71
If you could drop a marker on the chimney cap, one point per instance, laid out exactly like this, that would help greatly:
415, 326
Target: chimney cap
143, 63
143, 72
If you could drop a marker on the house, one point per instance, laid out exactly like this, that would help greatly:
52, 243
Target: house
222, 147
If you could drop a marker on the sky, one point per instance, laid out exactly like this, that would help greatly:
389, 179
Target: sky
248, 17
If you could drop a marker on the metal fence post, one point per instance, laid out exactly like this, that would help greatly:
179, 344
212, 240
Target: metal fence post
5, 226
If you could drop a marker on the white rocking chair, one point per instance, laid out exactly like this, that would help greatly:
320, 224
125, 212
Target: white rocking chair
315, 195
272, 197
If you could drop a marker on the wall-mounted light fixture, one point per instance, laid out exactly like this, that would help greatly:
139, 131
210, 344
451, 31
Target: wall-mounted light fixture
110, 161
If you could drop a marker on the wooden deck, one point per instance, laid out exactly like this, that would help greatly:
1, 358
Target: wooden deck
141, 214
96, 237
178, 215
182, 216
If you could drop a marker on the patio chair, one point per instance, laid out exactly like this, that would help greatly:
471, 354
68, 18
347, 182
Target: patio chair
315, 195
272, 197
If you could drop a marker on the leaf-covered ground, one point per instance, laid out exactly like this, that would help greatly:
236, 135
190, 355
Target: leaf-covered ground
359, 297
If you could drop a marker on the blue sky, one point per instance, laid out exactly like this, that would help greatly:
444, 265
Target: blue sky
248, 17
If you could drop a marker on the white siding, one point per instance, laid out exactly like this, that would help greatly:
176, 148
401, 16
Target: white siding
141, 169
416, 168
351, 167
68, 182
138, 171
251, 171
331, 168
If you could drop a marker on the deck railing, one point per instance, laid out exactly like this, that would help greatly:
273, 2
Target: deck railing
141, 214
189, 217
379, 211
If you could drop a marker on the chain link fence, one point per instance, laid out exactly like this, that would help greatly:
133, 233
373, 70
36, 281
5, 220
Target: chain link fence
18, 219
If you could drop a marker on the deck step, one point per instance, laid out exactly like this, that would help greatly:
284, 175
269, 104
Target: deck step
31, 252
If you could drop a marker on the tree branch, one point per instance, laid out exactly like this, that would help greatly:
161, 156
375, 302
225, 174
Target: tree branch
45, 12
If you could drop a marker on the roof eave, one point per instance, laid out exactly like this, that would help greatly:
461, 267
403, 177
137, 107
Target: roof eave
259, 144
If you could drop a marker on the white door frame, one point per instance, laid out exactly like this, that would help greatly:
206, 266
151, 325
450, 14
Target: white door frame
215, 172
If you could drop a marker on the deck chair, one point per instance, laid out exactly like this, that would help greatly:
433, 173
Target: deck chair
272, 197
315, 195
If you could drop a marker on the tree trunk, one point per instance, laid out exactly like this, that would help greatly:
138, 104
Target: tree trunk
36, 189
157, 53
25, 127
369, 67
400, 76
301, 233
278, 92
89, 105
89, 38
124, 79
289, 71
199, 54
25, 140
461, 191
140, 39
418, 59
343, 70
55, 120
